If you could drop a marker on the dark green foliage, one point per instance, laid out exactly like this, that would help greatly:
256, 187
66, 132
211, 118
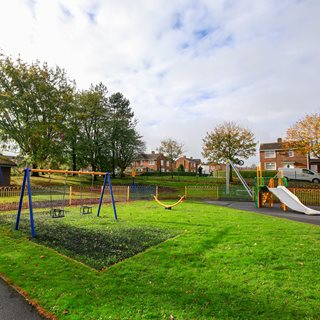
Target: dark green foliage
167, 174
53, 126
253, 173
35, 101
124, 142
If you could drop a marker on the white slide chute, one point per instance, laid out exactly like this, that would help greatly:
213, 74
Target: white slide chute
291, 200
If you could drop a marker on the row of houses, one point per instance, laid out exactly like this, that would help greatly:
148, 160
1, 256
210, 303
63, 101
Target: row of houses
158, 162
273, 156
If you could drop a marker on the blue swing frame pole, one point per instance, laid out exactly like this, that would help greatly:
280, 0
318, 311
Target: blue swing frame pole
21, 198
112, 198
26, 180
107, 178
102, 193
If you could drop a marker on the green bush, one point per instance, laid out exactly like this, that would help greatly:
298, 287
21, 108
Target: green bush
168, 174
253, 173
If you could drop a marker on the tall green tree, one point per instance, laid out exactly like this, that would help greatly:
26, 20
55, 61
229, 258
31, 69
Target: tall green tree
92, 121
304, 135
123, 138
229, 141
34, 102
172, 150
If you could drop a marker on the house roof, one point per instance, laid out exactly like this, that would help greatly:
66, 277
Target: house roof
190, 159
272, 146
6, 162
148, 156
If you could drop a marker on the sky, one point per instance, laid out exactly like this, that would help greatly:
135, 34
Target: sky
185, 65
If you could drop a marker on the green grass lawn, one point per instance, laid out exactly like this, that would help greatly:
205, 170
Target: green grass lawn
205, 262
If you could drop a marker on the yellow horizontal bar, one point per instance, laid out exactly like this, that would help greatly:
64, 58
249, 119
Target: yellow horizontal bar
93, 173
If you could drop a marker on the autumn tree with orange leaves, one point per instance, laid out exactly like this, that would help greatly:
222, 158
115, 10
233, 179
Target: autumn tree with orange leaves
304, 135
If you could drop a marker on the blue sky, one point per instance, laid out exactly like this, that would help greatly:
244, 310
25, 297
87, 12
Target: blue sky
185, 65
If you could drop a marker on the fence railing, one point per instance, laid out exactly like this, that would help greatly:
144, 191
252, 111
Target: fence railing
217, 192
309, 197
63, 196
46, 197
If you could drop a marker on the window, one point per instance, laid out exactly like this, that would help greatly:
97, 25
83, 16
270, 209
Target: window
307, 171
290, 153
151, 162
162, 162
270, 154
270, 166
141, 162
288, 164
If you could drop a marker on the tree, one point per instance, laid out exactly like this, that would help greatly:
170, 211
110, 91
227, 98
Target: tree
228, 141
172, 150
92, 121
34, 103
304, 136
124, 141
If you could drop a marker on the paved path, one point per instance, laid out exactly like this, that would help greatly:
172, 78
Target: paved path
275, 211
13, 306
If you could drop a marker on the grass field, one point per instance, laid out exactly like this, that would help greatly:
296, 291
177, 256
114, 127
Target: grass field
196, 261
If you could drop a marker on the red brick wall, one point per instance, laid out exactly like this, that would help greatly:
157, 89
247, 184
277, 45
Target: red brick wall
189, 166
299, 160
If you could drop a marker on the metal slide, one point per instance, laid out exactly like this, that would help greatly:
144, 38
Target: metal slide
292, 201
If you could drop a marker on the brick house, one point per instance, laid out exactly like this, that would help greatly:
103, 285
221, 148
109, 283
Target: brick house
274, 155
151, 162
189, 164
5, 170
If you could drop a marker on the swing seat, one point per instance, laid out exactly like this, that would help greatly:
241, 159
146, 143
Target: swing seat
86, 209
57, 213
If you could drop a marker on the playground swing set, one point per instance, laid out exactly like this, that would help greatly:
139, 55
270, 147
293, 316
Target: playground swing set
85, 208
59, 212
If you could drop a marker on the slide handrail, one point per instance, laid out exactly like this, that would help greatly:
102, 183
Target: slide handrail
244, 182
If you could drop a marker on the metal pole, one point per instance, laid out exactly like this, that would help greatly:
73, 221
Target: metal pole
33, 232
112, 198
227, 177
21, 198
102, 193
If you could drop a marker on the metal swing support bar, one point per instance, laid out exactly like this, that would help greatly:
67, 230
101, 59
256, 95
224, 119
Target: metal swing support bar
69, 172
107, 179
26, 180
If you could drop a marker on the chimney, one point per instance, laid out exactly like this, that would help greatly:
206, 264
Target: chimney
279, 140
153, 152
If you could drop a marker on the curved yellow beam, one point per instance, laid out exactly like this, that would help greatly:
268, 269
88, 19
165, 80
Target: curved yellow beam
168, 207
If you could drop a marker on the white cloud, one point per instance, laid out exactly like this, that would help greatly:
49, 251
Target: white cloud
184, 65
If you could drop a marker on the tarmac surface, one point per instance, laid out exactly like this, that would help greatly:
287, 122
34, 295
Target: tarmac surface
275, 211
14, 307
